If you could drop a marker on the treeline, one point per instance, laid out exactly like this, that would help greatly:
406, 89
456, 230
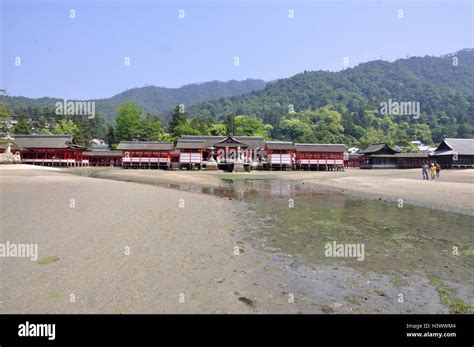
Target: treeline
45, 121
443, 87
326, 124
131, 125
326, 107
332, 123
151, 99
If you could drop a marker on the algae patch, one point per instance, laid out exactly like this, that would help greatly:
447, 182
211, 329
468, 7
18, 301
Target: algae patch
48, 260
446, 296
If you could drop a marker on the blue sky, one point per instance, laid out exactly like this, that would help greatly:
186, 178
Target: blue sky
83, 58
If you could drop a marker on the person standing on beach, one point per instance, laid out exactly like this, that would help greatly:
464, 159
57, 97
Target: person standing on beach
438, 169
424, 170
433, 171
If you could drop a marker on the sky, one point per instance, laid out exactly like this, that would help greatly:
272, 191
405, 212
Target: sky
111, 46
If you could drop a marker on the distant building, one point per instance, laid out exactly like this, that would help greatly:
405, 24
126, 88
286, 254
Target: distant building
455, 153
280, 154
382, 156
451, 153
196, 150
146, 154
50, 150
253, 151
319, 156
422, 147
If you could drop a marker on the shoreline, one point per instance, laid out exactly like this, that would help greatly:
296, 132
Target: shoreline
172, 250
194, 252
453, 192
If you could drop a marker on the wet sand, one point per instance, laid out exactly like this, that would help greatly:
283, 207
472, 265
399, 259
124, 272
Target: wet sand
174, 253
453, 191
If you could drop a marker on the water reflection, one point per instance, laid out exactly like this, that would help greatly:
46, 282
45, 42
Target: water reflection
404, 240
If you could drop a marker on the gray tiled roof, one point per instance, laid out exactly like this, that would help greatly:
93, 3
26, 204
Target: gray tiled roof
46, 141
313, 147
97, 153
375, 147
250, 141
145, 145
280, 145
401, 155
191, 144
451, 146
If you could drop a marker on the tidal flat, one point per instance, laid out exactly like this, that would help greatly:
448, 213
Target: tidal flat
410, 251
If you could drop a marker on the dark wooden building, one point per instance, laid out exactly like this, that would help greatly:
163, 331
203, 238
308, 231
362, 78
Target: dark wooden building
382, 156
379, 156
455, 153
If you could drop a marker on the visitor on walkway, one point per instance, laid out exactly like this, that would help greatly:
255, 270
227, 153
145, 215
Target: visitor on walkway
424, 170
433, 171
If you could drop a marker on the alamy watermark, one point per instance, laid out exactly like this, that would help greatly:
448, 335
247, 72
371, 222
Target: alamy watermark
75, 108
400, 108
345, 250
19, 250
28, 329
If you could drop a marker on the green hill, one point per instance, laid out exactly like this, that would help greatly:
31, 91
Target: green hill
155, 100
445, 93
322, 106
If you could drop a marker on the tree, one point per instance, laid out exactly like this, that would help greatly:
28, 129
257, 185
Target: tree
4, 112
249, 126
110, 138
99, 126
217, 129
66, 127
41, 125
178, 119
295, 129
84, 134
23, 126
128, 122
371, 136
4, 116
150, 129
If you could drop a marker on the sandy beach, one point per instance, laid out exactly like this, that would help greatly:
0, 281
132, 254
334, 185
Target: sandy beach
176, 262
124, 245
452, 191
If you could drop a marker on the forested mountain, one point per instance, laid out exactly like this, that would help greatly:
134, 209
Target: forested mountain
155, 100
319, 106
444, 87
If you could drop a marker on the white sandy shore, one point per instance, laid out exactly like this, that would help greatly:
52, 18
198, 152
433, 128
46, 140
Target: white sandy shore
173, 250
190, 250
